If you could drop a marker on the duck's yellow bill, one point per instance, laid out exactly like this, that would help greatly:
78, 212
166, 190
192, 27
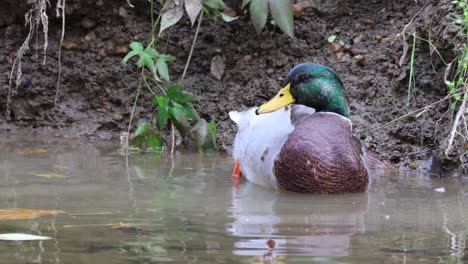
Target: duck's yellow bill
281, 99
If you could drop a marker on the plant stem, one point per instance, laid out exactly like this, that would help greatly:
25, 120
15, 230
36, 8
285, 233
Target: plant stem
173, 139
134, 106
411, 77
191, 48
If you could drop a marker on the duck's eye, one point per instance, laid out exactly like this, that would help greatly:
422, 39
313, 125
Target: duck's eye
281, 95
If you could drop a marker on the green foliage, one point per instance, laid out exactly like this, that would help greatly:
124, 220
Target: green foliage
146, 138
206, 135
459, 84
281, 12
463, 21
173, 105
386, 96
149, 58
173, 11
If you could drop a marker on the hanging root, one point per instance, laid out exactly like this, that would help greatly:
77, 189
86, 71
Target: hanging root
460, 126
60, 5
35, 17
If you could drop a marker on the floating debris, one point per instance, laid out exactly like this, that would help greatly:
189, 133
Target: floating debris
20, 213
22, 237
30, 152
52, 175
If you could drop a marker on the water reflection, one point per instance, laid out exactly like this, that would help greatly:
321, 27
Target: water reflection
299, 224
403, 216
186, 211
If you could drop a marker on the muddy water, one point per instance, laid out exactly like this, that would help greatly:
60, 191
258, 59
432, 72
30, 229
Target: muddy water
187, 211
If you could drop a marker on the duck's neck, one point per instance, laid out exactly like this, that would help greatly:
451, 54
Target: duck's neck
324, 95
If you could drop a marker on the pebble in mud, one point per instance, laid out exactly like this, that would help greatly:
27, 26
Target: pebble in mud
117, 117
88, 23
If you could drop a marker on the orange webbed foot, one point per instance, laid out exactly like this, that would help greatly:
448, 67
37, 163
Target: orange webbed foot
236, 173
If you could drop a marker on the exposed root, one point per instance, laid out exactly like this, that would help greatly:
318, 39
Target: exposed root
460, 117
33, 18
60, 5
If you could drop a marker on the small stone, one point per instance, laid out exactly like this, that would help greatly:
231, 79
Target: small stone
69, 45
270, 71
88, 23
102, 52
123, 12
248, 58
279, 63
346, 58
120, 41
340, 54
359, 59
369, 22
413, 166
355, 52
358, 38
90, 36
121, 50
336, 47
117, 117
9, 60
378, 37
297, 9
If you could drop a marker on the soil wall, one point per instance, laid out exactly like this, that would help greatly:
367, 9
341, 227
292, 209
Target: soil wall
371, 54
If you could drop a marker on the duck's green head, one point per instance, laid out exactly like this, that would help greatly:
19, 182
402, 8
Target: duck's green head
312, 85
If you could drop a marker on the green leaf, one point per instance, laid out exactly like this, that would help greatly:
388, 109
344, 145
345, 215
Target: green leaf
136, 46
457, 96
282, 13
137, 142
193, 8
449, 83
163, 110
245, 2
453, 105
140, 63
148, 61
189, 112
151, 52
216, 4
211, 144
171, 13
142, 129
167, 57
183, 97
153, 141
259, 14
227, 18
179, 118
129, 55
173, 89
206, 135
202, 132
162, 69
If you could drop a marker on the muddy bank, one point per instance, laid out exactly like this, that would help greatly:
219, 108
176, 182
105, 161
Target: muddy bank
97, 92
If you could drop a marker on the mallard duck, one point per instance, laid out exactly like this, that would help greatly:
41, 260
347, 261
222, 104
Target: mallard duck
302, 139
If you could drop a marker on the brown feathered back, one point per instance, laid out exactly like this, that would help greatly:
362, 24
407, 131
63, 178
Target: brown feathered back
321, 157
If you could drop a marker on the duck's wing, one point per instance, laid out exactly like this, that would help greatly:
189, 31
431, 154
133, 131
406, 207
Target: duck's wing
321, 155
